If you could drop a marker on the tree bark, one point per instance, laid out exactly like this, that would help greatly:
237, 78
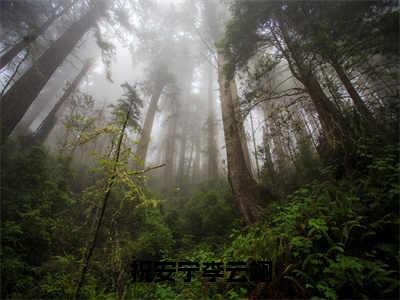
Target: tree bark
196, 164
48, 123
182, 157
170, 152
243, 185
239, 118
20, 96
269, 165
332, 122
212, 168
357, 101
24, 43
254, 145
144, 141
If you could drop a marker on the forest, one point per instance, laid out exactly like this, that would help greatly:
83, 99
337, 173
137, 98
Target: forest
199, 149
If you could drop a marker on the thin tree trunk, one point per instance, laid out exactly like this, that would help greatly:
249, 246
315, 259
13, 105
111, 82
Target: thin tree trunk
357, 101
243, 185
24, 43
332, 121
212, 168
267, 152
308, 130
182, 157
20, 96
280, 153
189, 164
48, 123
110, 184
170, 152
196, 163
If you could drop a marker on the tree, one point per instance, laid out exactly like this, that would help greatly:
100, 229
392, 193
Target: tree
127, 114
49, 122
212, 151
280, 34
243, 185
27, 40
159, 79
20, 96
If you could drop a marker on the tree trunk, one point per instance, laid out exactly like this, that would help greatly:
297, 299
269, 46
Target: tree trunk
332, 121
110, 183
24, 43
48, 123
239, 118
269, 165
189, 164
243, 185
212, 168
20, 96
182, 157
144, 141
357, 101
170, 152
196, 163
254, 145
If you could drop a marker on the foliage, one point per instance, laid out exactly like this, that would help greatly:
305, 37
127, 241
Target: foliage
130, 102
332, 239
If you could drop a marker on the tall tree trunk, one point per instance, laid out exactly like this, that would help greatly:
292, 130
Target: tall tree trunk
182, 157
170, 152
357, 101
24, 43
20, 96
239, 118
144, 141
332, 121
281, 155
189, 164
243, 185
254, 145
269, 165
48, 123
197, 158
212, 163
184, 116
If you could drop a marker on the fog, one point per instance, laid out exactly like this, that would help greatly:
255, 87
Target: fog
142, 139
133, 43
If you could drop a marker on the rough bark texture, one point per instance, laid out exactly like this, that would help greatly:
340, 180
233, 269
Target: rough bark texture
239, 119
20, 96
48, 123
243, 185
144, 141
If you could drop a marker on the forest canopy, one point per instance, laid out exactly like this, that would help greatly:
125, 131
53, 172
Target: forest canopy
186, 149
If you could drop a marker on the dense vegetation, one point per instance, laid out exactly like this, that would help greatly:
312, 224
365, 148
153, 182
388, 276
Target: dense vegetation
330, 238
317, 194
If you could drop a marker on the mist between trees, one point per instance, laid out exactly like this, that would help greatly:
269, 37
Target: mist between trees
199, 130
